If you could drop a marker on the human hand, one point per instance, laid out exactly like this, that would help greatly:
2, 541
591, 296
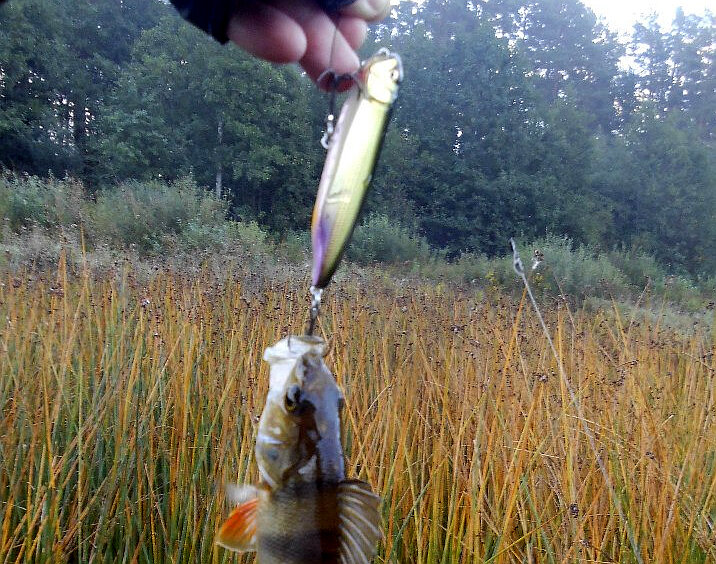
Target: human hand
287, 31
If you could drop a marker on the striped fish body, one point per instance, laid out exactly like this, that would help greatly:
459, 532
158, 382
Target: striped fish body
299, 524
352, 156
304, 510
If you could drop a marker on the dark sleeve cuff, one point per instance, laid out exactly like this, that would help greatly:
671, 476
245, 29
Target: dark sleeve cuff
212, 16
334, 5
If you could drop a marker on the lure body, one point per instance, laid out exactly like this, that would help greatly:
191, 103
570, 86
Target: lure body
352, 156
304, 510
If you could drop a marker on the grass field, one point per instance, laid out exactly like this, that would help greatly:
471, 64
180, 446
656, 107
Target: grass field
124, 407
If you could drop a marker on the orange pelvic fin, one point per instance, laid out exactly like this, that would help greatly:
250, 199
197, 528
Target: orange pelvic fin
238, 532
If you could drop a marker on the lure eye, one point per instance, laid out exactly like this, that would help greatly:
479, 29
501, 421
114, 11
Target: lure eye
395, 75
293, 398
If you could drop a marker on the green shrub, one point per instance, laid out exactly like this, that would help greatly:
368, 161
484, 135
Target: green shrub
295, 246
145, 213
227, 237
472, 268
203, 236
638, 267
575, 271
28, 201
42, 216
578, 272
382, 240
237, 237
707, 286
682, 291
249, 235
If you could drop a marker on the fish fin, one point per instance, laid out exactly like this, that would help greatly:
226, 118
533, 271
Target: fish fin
238, 532
359, 522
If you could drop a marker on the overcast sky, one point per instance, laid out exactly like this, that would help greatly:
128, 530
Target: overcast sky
622, 14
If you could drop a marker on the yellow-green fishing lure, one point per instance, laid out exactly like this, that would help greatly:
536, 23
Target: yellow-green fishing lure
352, 155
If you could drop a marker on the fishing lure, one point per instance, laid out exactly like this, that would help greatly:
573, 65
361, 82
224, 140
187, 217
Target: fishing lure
353, 148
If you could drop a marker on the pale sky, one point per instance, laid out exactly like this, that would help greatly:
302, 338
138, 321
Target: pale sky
621, 15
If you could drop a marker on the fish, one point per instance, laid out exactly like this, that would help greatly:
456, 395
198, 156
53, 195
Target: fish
353, 152
303, 510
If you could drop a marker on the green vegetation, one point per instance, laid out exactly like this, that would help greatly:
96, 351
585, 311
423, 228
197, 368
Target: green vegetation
514, 120
379, 239
156, 221
155, 196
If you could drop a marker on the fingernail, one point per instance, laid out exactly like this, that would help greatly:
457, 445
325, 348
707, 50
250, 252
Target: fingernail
369, 10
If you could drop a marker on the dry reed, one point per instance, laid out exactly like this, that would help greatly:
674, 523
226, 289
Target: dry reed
125, 407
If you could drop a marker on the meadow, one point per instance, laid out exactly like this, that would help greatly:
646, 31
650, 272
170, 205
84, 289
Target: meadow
126, 402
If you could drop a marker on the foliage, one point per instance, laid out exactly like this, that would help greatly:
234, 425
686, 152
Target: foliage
156, 220
49, 203
142, 213
662, 185
638, 268
679, 68
475, 269
576, 271
570, 53
295, 246
58, 62
250, 140
379, 239
514, 120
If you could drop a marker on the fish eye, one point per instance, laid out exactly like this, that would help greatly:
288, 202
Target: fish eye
395, 75
293, 398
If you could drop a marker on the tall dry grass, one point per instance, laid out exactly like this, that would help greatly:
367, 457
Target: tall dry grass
126, 406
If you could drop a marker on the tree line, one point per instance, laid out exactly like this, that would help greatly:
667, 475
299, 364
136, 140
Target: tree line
515, 118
